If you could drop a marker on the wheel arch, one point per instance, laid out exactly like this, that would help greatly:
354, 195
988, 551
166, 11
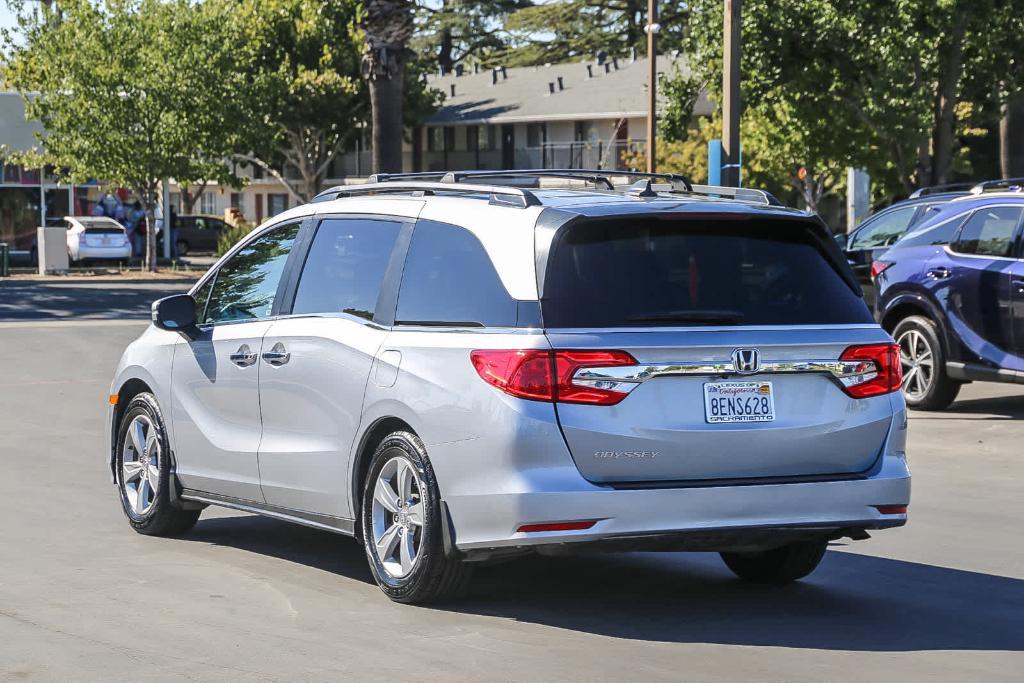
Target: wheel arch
908, 305
129, 389
368, 443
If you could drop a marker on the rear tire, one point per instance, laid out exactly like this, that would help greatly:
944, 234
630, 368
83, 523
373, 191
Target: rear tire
411, 514
779, 565
181, 248
144, 484
926, 386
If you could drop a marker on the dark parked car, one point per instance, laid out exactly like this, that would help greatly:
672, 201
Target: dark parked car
197, 233
879, 231
951, 292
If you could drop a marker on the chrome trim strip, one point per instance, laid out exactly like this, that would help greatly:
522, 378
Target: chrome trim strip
635, 374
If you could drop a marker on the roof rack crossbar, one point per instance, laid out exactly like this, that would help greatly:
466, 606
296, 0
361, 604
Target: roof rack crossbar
992, 184
499, 194
595, 176
935, 189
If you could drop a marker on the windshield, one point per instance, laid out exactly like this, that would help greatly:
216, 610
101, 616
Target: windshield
645, 273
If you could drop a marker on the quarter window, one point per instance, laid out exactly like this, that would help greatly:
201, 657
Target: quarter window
247, 284
346, 267
449, 280
989, 232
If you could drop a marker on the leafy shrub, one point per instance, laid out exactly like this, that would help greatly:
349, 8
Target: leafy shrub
232, 236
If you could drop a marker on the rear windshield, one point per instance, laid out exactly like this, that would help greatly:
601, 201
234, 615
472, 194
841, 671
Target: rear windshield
711, 273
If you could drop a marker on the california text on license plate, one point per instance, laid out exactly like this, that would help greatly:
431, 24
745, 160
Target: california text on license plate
739, 402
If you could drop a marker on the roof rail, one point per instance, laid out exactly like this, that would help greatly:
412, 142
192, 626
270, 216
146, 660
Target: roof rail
936, 189
994, 184
509, 196
595, 176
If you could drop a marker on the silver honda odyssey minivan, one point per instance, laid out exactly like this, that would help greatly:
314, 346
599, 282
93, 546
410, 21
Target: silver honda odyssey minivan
456, 369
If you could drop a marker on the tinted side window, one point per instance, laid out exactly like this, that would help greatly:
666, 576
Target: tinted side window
938, 234
346, 266
201, 296
885, 229
989, 232
247, 283
449, 279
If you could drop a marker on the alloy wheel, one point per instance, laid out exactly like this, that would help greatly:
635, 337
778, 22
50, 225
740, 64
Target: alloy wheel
918, 361
398, 517
140, 464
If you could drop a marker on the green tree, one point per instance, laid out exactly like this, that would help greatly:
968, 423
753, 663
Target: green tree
453, 31
875, 85
107, 83
561, 30
304, 93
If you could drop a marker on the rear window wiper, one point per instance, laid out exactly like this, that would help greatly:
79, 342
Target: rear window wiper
709, 317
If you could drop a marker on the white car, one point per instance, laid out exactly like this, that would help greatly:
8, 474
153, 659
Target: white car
96, 237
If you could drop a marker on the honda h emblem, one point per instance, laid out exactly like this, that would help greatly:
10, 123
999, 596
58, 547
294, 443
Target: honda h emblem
746, 361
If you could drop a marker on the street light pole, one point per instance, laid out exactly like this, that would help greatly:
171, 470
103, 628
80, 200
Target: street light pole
731, 95
652, 29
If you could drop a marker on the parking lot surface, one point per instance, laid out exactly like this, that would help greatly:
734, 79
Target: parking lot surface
248, 598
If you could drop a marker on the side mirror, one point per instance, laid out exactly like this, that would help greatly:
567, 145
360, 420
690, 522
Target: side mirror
842, 239
175, 313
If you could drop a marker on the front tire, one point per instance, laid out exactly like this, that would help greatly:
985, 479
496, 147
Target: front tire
402, 525
143, 467
926, 386
779, 565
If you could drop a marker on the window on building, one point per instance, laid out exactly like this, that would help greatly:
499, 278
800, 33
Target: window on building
536, 134
473, 138
449, 279
346, 266
449, 138
238, 202
276, 203
435, 143
208, 202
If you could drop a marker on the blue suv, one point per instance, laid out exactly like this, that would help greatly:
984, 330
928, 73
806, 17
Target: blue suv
951, 292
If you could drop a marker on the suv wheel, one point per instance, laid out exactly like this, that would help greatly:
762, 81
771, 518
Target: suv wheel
181, 248
925, 383
779, 565
402, 525
144, 472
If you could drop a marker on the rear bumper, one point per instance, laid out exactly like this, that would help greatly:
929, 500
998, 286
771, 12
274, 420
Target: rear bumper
705, 518
85, 252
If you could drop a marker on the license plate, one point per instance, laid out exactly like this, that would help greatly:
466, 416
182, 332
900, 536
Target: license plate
739, 402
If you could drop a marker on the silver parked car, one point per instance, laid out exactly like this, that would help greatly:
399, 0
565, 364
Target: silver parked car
457, 372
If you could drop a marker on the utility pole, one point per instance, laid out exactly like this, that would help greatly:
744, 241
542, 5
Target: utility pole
731, 95
652, 29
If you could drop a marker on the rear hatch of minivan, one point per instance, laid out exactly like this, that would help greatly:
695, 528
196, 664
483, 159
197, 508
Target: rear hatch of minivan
698, 348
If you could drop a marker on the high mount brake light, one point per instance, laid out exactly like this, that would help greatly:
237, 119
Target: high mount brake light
543, 375
878, 370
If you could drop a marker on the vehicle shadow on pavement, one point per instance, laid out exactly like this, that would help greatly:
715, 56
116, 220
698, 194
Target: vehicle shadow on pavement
1001, 407
852, 602
321, 550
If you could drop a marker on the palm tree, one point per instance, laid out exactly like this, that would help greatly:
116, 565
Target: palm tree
387, 26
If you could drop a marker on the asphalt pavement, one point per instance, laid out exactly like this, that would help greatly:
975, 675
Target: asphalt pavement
246, 598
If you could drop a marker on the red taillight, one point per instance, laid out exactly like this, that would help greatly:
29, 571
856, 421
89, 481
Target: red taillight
879, 267
547, 375
557, 526
878, 370
892, 509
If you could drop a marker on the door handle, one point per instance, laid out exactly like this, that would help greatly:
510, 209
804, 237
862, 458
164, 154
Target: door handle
277, 355
940, 273
243, 357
